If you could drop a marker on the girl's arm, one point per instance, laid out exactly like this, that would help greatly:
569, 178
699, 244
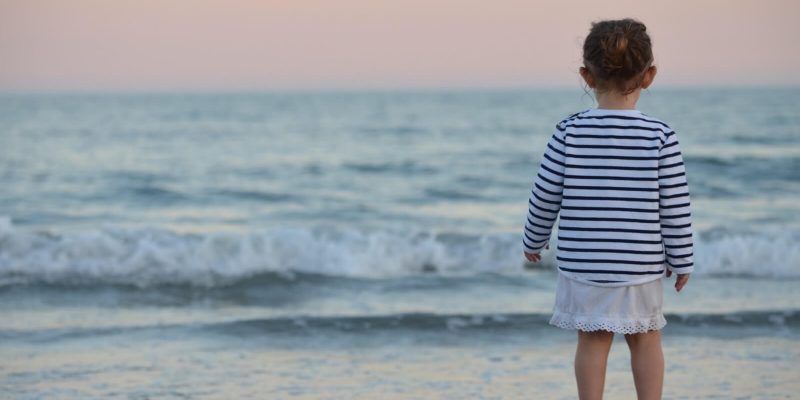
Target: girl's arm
674, 207
545, 198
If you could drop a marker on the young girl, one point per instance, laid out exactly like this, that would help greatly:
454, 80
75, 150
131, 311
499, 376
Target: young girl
616, 176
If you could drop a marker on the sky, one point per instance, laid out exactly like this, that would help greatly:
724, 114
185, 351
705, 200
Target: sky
100, 45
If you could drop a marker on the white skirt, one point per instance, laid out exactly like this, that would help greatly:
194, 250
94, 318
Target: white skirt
622, 309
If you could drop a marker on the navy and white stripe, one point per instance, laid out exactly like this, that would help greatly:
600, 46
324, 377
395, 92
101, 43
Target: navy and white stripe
617, 179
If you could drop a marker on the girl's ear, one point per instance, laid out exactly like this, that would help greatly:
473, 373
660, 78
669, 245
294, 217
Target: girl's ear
649, 76
587, 76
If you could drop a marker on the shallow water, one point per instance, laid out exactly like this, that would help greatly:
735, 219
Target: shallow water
443, 364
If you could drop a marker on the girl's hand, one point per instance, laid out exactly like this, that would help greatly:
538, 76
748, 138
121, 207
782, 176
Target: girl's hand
680, 280
535, 257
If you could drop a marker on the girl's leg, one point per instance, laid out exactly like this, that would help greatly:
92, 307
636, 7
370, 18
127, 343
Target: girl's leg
591, 358
647, 362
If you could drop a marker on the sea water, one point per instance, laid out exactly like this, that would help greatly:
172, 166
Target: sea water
363, 245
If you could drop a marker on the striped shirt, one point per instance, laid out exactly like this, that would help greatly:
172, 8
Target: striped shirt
618, 180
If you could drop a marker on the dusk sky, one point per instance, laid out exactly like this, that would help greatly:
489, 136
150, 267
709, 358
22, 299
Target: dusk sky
362, 44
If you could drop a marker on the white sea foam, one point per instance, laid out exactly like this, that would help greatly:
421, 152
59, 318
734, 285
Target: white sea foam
146, 257
770, 253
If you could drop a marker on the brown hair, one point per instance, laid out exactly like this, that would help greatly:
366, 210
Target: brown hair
617, 53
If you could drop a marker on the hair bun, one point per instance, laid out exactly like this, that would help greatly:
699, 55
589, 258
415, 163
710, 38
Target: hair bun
617, 51
615, 46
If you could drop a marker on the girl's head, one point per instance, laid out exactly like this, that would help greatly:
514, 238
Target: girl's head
618, 56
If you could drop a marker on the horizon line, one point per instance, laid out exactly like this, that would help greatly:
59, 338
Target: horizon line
376, 89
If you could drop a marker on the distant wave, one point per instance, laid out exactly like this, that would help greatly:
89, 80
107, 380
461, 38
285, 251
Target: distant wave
744, 323
152, 256
751, 168
405, 167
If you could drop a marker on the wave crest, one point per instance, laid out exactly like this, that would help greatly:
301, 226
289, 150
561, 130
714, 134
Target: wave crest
151, 256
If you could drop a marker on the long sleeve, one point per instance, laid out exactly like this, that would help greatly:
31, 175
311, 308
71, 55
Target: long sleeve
674, 207
545, 199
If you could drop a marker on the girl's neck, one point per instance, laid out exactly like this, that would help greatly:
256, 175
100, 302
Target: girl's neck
613, 100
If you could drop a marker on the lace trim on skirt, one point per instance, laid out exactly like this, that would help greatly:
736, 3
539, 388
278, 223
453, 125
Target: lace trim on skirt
589, 323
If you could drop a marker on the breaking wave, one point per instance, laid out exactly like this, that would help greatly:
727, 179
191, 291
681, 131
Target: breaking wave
151, 256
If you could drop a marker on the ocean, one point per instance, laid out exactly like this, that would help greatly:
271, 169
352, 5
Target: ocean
364, 245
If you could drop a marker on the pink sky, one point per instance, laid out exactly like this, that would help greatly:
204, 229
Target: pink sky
284, 44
